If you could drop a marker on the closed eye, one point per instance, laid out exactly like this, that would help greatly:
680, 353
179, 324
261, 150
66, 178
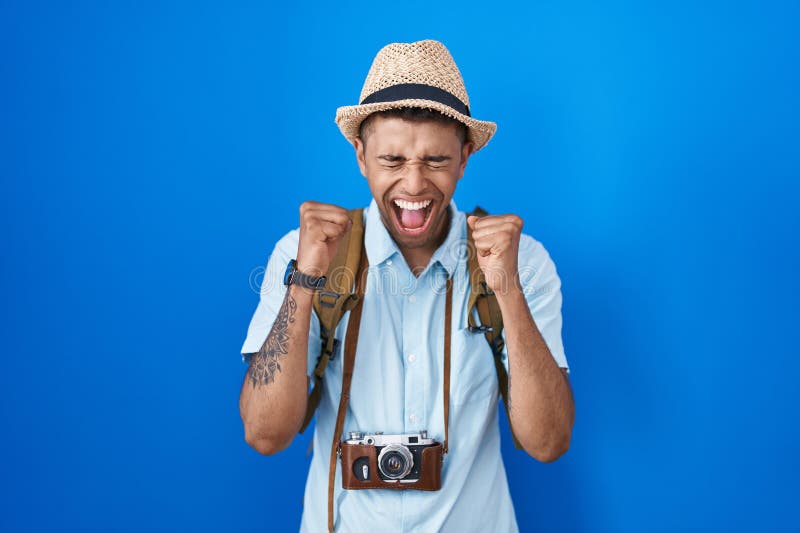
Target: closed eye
437, 161
391, 161
432, 161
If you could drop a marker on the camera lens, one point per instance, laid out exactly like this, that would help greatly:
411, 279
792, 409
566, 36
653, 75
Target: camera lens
395, 461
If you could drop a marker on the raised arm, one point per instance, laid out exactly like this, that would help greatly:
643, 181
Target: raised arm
541, 406
272, 401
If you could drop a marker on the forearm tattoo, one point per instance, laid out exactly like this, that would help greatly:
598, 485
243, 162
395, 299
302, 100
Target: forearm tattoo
264, 365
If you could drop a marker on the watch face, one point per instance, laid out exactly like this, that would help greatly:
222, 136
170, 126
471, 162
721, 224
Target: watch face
287, 276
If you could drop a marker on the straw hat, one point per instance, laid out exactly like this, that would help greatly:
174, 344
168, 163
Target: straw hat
421, 74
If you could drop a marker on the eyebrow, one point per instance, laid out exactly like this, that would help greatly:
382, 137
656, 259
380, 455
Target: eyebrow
437, 158
431, 158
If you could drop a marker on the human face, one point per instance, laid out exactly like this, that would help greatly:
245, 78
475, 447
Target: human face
412, 169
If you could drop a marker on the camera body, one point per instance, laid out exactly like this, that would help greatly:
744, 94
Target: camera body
398, 461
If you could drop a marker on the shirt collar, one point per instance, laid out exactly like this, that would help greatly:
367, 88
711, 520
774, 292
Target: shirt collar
453, 249
380, 246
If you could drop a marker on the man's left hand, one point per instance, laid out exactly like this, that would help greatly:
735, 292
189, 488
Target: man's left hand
497, 244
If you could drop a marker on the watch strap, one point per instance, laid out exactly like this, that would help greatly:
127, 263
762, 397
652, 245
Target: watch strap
296, 277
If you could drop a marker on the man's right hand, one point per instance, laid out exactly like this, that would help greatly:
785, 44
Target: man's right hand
322, 227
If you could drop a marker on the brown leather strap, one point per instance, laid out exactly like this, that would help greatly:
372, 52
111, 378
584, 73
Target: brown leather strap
350, 343
448, 312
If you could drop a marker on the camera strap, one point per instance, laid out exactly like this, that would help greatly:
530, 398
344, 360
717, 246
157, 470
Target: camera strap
351, 341
448, 313
350, 344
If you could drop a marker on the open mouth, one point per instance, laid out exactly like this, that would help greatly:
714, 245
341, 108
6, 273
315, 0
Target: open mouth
412, 218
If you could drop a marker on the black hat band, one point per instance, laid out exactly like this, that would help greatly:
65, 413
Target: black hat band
417, 91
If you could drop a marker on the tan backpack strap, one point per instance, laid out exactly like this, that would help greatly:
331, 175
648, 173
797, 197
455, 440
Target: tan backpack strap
350, 344
341, 273
333, 301
491, 319
329, 348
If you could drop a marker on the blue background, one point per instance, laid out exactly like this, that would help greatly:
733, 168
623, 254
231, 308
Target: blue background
152, 153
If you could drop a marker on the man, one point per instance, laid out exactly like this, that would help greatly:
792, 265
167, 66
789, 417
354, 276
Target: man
413, 135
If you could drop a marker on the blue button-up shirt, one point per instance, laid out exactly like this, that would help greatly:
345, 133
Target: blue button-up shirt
397, 382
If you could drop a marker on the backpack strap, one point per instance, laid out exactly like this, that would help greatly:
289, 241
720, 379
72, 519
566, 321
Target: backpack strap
491, 325
334, 300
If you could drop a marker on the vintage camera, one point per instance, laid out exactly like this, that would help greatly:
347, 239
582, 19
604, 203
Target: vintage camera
375, 460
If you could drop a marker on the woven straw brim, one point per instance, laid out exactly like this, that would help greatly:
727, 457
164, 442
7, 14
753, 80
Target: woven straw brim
349, 118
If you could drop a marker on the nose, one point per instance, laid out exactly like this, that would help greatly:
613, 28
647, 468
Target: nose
414, 181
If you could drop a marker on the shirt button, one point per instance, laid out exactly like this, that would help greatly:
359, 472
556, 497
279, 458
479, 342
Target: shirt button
412, 358
413, 418
412, 298
389, 262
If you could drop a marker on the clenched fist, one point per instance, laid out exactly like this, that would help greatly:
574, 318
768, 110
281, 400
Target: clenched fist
322, 227
497, 245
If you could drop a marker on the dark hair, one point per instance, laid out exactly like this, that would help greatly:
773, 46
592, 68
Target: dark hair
413, 114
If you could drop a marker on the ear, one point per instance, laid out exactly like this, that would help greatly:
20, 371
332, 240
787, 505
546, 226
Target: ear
359, 146
466, 151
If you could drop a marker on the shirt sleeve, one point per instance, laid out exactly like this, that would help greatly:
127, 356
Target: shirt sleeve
542, 288
271, 297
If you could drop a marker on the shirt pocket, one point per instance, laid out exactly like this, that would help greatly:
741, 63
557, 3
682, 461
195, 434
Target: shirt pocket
472, 374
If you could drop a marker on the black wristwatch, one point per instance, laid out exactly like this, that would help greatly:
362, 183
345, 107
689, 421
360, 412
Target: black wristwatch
292, 276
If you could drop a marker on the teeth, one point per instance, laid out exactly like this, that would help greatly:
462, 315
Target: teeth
412, 206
